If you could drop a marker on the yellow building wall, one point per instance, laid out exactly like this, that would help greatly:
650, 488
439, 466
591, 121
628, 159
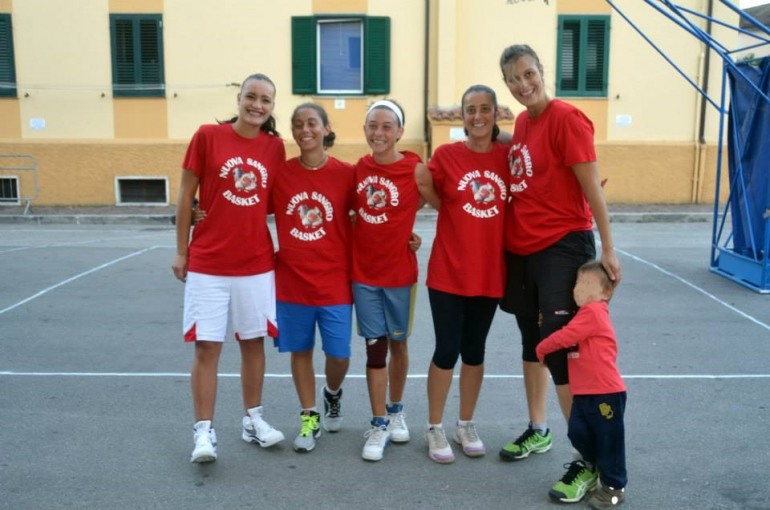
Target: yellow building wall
82, 173
63, 69
92, 138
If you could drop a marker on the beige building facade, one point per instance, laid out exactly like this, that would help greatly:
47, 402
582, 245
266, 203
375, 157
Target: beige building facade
94, 143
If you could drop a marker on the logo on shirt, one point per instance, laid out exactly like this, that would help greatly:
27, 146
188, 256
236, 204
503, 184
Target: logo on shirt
247, 176
310, 212
377, 194
485, 191
520, 165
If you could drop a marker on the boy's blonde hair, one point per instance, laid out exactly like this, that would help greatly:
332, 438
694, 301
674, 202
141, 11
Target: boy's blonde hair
596, 267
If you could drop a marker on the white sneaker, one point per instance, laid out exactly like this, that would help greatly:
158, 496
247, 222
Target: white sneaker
205, 442
377, 438
399, 433
438, 447
467, 436
257, 430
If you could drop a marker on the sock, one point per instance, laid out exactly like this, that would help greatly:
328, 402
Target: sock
333, 392
540, 427
460, 423
254, 411
308, 410
432, 426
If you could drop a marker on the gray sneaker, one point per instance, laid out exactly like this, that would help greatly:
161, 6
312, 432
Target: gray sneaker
332, 420
305, 440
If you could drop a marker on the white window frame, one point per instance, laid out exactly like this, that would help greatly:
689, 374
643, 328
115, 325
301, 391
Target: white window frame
319, 50
3, 201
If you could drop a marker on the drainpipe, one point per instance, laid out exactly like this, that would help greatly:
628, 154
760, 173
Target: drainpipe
426, 129
700, 159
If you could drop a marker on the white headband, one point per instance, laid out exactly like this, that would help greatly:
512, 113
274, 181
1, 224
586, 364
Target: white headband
390, 105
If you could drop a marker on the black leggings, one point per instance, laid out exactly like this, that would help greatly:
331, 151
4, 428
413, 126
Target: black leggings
461, 325
539, 292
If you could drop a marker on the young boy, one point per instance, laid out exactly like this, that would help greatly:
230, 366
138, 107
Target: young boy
596, 427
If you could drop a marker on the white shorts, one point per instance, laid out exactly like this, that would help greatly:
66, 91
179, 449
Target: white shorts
208, 299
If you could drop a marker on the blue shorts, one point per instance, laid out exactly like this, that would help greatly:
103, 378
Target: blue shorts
384, 310
299, 322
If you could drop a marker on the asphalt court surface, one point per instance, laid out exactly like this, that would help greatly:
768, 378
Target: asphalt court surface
96, 412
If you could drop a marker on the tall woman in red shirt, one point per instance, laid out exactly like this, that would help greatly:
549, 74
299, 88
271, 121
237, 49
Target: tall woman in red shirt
228, 265
467, 183
555, 194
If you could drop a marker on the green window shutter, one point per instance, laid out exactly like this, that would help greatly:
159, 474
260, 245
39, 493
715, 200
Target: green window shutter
597, 49
303, 55
150, 42
7, 63
583, 56
568, 70
137, 55
377, 55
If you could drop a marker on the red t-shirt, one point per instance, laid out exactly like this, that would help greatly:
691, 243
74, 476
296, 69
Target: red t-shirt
547, 201
386, 203
314, 231
592, 362
235, 176
467, 254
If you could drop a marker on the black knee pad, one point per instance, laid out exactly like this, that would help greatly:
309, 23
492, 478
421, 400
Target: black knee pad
376, 352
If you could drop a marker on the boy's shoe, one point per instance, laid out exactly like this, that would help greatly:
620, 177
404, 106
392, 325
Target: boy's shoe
438, 447
531, 441
576, 483
606, 497
332, 411
257, 430
399, 433
467, 436
205, 442
311, 429
377, 438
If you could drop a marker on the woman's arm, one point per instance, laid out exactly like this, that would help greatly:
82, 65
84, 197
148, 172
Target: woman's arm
425, 186
588, 176
184, 203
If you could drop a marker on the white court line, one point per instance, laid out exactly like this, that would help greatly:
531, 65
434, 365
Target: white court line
360, 376
75, 243
693, 286
73, 278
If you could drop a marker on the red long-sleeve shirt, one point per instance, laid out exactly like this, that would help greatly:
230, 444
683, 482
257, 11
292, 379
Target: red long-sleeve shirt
594, 350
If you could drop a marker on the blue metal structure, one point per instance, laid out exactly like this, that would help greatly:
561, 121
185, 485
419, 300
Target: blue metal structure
740, 249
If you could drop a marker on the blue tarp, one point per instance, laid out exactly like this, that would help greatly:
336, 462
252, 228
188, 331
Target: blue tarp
749, 155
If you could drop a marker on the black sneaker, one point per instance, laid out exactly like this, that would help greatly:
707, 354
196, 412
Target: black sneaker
606, 497
332, 421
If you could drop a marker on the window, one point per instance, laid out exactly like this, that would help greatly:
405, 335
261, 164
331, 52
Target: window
141, 191
9, 190
340, 55
583, 56
137, 55
7, 66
